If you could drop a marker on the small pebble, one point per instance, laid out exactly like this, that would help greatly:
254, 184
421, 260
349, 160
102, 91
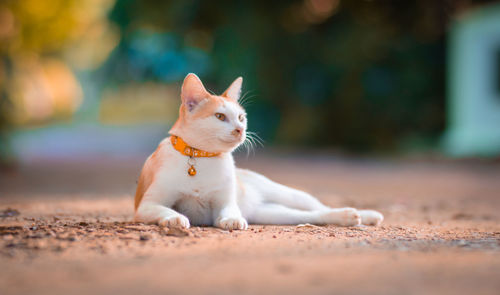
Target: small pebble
145, 237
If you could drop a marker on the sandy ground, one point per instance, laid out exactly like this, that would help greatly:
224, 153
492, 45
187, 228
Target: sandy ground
66, 229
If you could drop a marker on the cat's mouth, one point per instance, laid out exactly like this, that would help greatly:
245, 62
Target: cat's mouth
234, 140
229, 141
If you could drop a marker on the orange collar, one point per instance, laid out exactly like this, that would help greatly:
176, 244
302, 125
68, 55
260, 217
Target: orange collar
182, 147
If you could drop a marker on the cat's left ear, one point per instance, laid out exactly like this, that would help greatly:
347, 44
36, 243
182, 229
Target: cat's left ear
234, 91
193, 91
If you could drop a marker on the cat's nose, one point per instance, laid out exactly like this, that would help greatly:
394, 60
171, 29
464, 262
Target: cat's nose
237, 131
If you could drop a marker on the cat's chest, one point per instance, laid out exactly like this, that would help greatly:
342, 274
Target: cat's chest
212, 175
197, 193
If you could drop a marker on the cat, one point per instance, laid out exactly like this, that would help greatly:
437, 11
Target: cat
191, 178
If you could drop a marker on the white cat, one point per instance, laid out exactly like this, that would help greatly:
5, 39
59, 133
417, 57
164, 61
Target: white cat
191, 178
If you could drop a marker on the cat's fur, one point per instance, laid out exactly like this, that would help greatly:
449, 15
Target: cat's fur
221, 194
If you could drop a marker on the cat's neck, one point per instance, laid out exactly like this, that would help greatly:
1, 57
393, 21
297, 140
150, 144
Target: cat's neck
185, 148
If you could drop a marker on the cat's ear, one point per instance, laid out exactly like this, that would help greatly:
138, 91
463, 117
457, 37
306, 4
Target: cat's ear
193, 91
234, 91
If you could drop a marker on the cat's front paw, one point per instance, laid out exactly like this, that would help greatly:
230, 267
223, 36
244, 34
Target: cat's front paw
231, 223
178, 221
342, 216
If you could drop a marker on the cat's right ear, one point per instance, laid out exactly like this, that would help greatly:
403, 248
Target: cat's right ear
234, 90
193, 91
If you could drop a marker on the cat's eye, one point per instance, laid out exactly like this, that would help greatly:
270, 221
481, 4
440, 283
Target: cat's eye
241, 117
220, 116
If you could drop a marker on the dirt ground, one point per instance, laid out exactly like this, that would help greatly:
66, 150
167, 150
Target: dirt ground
65, 228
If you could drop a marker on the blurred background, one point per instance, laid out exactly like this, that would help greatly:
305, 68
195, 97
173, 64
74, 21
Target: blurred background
390, 105
87, 79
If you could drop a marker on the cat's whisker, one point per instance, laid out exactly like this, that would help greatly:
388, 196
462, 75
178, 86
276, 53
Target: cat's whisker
243, 146
245, 100
250, 142
252, 139
255, 138
248, 101
245, 95
246, 145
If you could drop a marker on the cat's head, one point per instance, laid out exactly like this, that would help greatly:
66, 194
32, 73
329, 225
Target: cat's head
214, 123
